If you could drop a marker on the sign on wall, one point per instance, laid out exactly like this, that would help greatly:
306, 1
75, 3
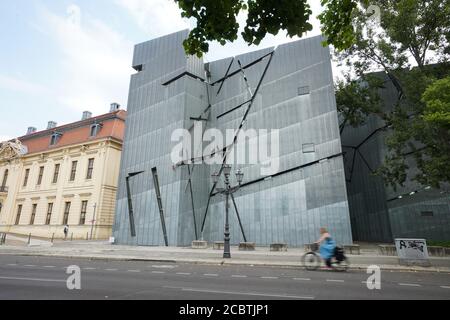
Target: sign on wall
412, 251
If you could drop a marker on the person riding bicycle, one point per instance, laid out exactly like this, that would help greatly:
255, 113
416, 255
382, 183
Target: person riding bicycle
327, 247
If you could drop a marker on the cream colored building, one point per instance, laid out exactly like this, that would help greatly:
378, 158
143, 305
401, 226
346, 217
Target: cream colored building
63, 175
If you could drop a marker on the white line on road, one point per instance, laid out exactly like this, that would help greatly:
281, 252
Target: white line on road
445, 287
409, 284
184, 273
30, 265
331, 280
133, 270
111, 269
302, 279
269, 277
32, 279
159, 272
211, 275
88, 268
12, 264
243, 293
164, 266
238, 276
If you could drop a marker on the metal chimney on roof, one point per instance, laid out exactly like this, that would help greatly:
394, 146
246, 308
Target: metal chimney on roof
51, 125
86, 115
31, 130
114, 107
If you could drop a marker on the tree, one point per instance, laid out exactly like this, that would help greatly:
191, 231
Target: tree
411, 35
217, 20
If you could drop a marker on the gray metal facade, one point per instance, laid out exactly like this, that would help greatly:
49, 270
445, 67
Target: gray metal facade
379, 213
296, 96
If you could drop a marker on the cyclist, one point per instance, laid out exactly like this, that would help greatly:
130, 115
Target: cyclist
327, 247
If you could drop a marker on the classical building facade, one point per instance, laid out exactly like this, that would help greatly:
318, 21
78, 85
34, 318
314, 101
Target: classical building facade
64, 175
288, 89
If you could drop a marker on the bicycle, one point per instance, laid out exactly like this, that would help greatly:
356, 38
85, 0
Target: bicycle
312, 261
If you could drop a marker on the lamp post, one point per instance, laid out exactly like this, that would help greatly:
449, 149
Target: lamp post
227, 191
130, 204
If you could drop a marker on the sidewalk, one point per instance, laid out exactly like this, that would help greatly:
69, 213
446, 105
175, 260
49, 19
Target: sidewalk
260, 257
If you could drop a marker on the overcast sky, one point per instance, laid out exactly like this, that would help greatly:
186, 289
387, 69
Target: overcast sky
60, 58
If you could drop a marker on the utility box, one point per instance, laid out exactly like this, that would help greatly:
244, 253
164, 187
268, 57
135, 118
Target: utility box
412, 252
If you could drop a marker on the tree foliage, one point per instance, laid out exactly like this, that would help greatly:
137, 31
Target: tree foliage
217, 21
411, 35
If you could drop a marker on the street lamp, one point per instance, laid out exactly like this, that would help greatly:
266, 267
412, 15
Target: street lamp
130, 205
93, 220
227, 191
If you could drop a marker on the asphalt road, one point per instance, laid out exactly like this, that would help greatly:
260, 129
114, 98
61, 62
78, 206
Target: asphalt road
26, 277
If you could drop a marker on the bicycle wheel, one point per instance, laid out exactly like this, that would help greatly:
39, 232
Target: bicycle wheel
311, 261
341, 265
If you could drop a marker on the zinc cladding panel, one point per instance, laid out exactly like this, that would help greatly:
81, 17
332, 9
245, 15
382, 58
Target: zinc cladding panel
273, 210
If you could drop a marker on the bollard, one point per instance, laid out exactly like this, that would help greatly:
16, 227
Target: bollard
87, 236
29, 238
71, 237
53, 236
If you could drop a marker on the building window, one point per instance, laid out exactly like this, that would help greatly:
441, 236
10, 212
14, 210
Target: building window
309, 148
56, 173
19, 212
33, 214
25, 180
5, 178
95, 129
41, 173
83, 212
303, 90
427, 214
90, 169
49, 213
73, 171
55, 138
66, 213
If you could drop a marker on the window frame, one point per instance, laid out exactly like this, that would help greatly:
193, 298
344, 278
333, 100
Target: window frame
48, 217
66, 212
33, 213
40, 176
90, 169
73, 170
56, 173
84, 205
18, 214
26, 177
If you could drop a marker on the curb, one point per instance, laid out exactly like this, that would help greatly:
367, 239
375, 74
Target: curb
231, 262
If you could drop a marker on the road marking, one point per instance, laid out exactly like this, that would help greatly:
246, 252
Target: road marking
133, 270
159, 272
269, 277
29, 265
164, 266
110, 269
184, 273
331, 280
12, 264
211, 275
409, 285
88, 268
445, 287
242, 293
238, 276
32, 279
302, 279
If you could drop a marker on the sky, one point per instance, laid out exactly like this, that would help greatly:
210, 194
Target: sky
59, 58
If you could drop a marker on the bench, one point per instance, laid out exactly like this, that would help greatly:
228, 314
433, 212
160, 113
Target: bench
247, 246
199, 244
278, 247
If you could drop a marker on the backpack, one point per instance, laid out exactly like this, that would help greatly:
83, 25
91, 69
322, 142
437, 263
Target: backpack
339, 253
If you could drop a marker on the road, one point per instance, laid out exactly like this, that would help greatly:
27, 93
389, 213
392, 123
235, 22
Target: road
27, 277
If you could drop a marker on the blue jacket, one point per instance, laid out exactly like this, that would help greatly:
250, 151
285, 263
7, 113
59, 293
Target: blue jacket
327, 248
